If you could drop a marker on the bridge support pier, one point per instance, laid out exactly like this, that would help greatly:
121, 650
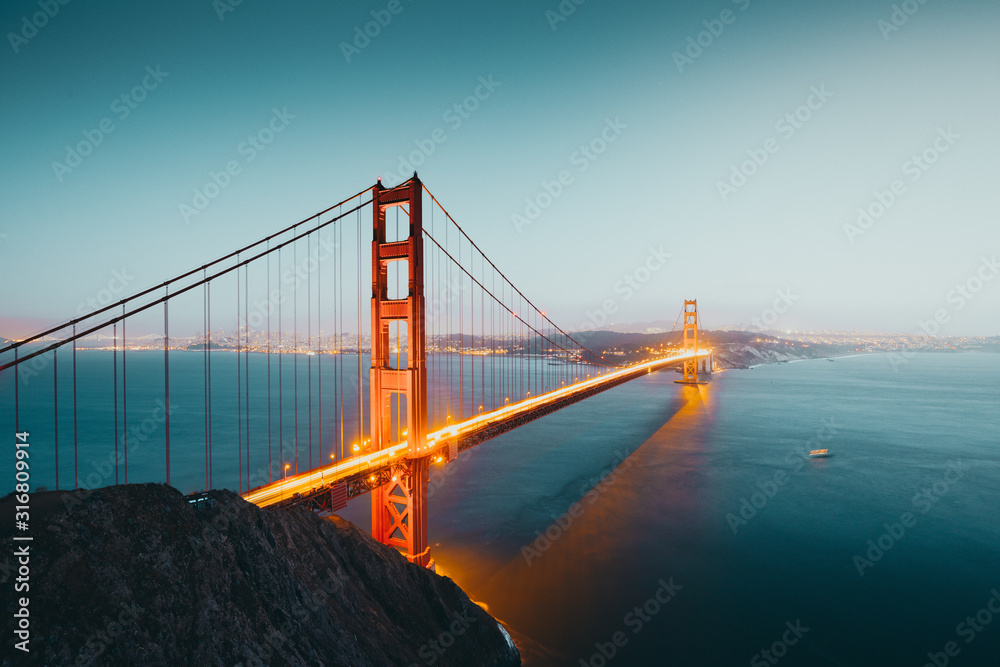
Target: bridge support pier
399, 513
399, 509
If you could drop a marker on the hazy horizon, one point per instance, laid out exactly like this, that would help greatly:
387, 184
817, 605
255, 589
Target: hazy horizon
834, 163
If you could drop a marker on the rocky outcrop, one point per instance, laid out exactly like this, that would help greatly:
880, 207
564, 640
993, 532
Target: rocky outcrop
136, 575
752, 354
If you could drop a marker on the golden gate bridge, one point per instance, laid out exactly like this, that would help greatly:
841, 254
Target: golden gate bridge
479, 360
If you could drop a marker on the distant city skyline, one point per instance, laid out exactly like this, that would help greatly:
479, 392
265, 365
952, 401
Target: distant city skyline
821, 167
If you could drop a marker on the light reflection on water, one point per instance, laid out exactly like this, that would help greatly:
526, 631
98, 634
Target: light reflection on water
693, 454
687, 458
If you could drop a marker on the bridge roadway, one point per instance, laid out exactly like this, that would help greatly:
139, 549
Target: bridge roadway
364, 472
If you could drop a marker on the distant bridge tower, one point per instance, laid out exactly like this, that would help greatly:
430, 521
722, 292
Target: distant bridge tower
690, 344
399, 508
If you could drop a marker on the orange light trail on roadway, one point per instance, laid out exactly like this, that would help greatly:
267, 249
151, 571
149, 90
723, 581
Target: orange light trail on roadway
307, 481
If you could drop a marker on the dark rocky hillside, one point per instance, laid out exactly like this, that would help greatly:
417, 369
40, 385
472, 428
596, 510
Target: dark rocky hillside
135, 575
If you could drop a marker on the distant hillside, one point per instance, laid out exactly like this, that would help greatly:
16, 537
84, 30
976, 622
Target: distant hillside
733, 349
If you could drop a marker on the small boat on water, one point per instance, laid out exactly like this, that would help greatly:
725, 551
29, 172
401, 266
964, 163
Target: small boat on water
819, 453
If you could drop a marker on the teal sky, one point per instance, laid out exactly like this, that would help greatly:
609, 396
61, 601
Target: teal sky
678, 132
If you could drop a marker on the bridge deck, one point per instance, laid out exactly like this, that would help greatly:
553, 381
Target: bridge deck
365, 472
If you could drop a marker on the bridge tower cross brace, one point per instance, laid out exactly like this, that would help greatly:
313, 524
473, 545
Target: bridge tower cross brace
399, 508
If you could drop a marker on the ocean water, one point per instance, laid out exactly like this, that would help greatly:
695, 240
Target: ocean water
302, 410
664, 532
659, 524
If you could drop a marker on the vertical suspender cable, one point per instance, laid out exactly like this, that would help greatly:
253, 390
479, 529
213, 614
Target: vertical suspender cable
361, 427
461, 336
114, 351
246, 358
281, 404
309, 367
482, 332
451, 331
269, 305
204, 325
472, 326
435, 365
399, 422
295, 348
239, 387
166, 375
340, 327
208, 346
124, 400
17, 395
493, 346
76, 474
55, 406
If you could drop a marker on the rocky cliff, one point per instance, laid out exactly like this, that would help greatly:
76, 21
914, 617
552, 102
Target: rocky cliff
735, 355
136, 575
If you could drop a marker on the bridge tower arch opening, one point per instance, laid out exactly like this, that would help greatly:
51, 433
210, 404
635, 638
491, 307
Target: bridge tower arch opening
399, 509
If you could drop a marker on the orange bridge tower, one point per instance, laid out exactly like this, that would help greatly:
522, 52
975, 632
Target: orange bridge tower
690, 344
399, 508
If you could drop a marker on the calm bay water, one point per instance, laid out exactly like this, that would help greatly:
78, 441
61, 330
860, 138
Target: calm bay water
710, 504
310, 412
694, 454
